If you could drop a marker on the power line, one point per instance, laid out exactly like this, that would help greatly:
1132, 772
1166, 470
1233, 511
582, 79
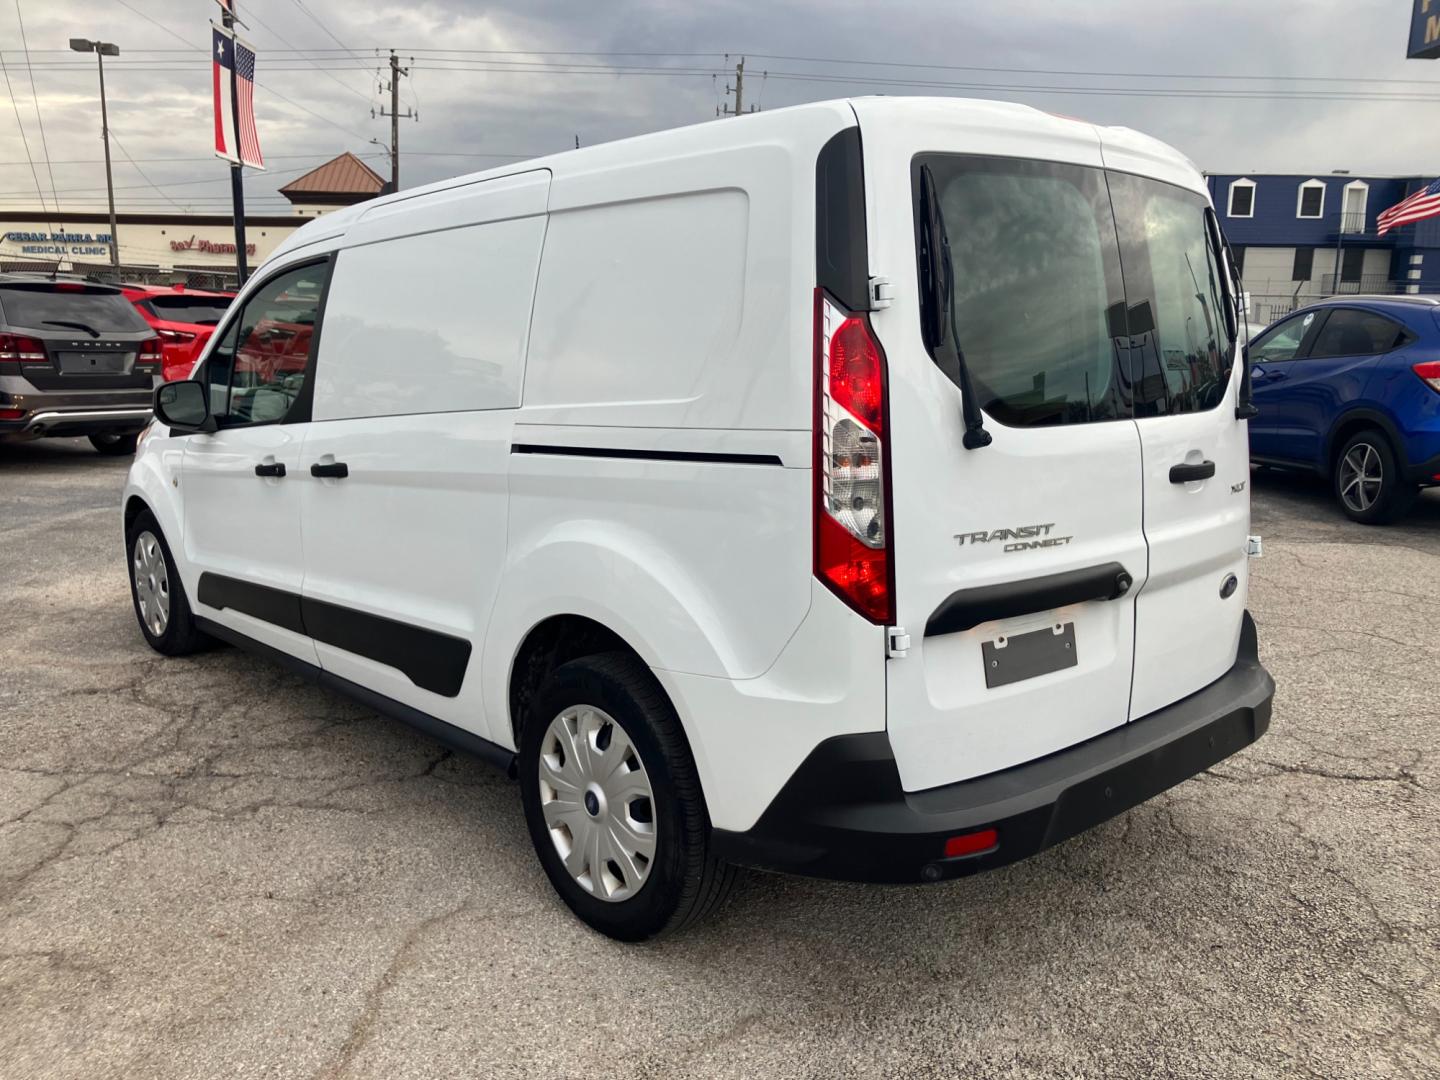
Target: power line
847, 62
14, 104
137, 168
35, 97
130, 7
328, 74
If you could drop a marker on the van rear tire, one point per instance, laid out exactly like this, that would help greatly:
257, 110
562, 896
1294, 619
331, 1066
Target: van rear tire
1367, 480
600, 730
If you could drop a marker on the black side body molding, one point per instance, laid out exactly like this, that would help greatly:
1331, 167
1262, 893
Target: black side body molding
454, 737
275, 606
431, 660
968, 608
646, 455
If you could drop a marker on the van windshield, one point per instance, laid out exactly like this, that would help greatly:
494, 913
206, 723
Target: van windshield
1080, 295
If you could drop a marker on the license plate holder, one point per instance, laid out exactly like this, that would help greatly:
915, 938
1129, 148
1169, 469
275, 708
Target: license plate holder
1014, 658
96, 362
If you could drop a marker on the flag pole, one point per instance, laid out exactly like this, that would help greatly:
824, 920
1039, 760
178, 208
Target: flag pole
237, 186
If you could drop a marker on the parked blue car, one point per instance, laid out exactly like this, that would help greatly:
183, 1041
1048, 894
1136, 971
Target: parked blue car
1350, 388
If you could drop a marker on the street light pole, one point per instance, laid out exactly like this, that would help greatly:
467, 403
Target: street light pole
102, 49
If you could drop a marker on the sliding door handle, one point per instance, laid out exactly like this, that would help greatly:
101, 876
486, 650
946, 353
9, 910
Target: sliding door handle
270, 468
336, 470
1187, 474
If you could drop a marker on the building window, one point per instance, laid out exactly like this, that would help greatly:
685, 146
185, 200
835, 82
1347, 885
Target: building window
1242, 198
1310, 203
1304, 264
1352, 265
1352, 211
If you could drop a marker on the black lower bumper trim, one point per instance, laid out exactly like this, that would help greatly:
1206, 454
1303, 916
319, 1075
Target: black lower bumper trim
845, 815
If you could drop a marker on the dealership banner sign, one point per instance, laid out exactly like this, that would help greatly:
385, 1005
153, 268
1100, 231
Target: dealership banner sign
1425, 30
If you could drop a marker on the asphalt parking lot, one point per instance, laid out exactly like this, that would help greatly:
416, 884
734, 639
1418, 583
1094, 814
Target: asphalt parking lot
211, 869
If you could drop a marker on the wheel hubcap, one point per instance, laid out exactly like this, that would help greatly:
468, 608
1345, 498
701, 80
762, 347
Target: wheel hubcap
1361, 477
597, 802
152, 583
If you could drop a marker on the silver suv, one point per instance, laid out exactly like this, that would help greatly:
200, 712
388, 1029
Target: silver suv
76, 358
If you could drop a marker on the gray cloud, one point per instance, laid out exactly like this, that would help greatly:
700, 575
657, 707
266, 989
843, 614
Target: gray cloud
161, 113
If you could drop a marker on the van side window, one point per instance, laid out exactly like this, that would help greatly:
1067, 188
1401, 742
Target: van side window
267, 349
1351, 332
1178, 348
431, 323
1281, 343
1037, 284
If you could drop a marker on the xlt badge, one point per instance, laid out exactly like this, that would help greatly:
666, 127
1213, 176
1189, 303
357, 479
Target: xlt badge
1020, 538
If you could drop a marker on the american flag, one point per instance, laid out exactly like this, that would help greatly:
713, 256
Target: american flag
235, 135
1417, 207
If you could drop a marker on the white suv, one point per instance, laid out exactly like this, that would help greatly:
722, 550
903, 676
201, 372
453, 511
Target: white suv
753, 497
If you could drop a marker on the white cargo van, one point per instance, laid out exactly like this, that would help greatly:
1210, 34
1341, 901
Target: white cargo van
856, 490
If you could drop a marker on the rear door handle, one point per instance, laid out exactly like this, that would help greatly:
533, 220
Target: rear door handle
336, 470
968, 608
1186, 474
274, 468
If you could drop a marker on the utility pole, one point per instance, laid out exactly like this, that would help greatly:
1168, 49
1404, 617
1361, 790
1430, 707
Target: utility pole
103, 49
237, 175
738, 90
396, 74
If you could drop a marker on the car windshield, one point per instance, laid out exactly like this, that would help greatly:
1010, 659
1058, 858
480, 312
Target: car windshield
1079, 295
68, 306
200, 310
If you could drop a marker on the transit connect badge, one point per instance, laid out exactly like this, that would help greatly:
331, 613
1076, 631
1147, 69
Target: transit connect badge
1020, 538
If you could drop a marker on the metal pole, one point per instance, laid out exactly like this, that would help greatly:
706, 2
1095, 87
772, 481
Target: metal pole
237, 181
109, 181
394, 121
740, 87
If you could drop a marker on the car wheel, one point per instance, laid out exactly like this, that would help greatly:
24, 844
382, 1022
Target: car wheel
1368, 484
161, 606
114, 444
613, 802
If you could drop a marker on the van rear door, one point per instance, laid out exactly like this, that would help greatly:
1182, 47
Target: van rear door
1015, 564
1195, 453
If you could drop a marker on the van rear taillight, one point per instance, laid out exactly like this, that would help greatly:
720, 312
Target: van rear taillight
15, 349
852, 531
1429, 371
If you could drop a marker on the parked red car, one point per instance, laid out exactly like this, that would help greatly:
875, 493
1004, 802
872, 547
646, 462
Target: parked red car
184, 319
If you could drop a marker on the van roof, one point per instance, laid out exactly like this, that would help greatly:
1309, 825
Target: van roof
657, 145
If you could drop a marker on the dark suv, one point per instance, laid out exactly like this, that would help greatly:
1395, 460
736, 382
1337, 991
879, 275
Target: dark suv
76, 358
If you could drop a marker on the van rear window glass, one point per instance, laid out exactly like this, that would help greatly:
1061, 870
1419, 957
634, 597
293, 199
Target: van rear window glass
1036, 282
201, 310
1079, 294
46, 307
1177, 346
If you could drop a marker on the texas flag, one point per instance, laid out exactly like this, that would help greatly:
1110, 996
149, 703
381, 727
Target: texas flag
234, 87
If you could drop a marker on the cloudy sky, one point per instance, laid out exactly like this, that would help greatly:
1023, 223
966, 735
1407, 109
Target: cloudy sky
1305, 86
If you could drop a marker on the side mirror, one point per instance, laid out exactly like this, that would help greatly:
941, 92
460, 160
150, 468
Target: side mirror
184, 407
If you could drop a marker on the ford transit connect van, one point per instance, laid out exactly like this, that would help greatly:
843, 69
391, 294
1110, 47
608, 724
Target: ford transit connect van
856, 490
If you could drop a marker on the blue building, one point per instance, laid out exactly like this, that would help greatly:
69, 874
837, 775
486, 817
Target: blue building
1299, 238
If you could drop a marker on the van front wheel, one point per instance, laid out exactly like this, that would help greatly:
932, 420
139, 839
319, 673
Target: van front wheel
1368, 484
613, 801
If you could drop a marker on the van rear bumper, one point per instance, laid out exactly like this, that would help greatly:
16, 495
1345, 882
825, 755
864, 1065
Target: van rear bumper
843, 814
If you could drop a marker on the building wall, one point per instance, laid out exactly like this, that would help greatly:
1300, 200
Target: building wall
1276, 199
164, 243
